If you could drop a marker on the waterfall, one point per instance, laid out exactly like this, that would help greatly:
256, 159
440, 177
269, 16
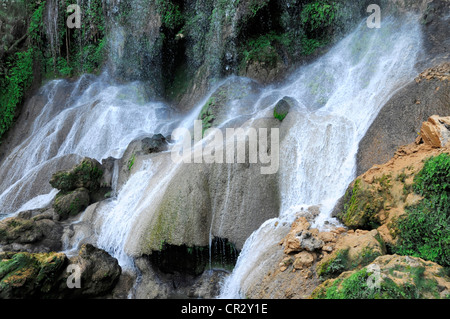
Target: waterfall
339, 96
68, 128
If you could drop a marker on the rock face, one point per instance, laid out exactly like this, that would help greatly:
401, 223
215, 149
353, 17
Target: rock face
46, 275
389, 277
400, 120
203, 200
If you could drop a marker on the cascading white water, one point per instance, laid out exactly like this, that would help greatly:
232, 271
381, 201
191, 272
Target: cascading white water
97, 122
339, 95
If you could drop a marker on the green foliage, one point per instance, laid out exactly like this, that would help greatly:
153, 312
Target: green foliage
425, 230
17, 80
320, 14
171, 15
263, 49
334, 266
433, 181
356, 287
279, 116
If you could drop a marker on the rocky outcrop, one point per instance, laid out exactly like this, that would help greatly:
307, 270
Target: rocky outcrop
78, 187
46, 275
389, 277
31, 232
435, 132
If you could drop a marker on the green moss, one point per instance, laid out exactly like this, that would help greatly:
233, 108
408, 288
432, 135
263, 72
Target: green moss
279, 116
341, 262
131, 161
207, 115
361, 208
25, 275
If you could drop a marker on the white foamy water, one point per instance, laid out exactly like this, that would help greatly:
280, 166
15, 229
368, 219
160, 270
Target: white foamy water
339, 97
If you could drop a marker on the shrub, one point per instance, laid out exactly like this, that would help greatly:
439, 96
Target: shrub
425, 230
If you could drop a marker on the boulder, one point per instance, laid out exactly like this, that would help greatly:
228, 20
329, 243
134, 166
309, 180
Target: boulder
24, 275
71, 203
86, 174
309, 241
100, 272
291, 242
46, 275
435, 132
283, 107
19, 230
303, 260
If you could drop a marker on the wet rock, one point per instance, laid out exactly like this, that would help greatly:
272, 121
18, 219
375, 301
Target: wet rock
400, 120
283, 107
46, 275
155, 144
86, 175
34, 234
68, 204
19, 230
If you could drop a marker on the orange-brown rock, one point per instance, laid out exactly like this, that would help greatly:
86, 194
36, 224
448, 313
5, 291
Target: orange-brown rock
435, 132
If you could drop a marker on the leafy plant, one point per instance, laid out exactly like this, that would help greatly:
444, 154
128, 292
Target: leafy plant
425, 230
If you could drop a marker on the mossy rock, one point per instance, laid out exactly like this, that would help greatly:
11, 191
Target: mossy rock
24, 275
19, 230
353, 251
389, 277
361, 206
69, 204
87, 174
283, 107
